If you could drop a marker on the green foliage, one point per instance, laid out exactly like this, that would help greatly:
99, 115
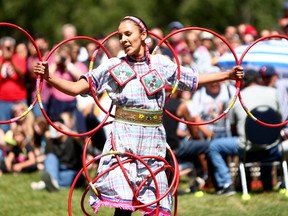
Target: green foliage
92, 17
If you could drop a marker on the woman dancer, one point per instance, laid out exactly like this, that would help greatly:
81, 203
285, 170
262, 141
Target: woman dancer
135, 85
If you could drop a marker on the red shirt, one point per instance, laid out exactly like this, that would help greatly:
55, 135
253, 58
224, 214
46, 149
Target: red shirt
12, 86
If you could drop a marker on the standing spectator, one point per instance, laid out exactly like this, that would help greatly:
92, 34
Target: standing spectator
177, 40
114, 48
192, 40
163, 48
12, 79
220, 49
202, 54
70, 31
248, 33
265, 33
22, 50
230, 32
68, 69
43, 46
91, 47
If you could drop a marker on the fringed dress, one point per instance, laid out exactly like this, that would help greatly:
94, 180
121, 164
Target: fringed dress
137, 139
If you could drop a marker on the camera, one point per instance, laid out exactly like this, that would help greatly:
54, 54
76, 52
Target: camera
62, 59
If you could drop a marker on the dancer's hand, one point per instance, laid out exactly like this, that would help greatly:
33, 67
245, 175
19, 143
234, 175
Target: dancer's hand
41, 68
236, 73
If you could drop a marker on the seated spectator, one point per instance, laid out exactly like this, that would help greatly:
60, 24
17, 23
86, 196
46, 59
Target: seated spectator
40, 127
187, 150
269, 77
254, 95
208, 103
21, 157
63, 158
26, 122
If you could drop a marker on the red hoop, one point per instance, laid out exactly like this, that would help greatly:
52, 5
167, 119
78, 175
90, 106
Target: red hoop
174, 182
238, 83
239, 95
40, 58
39, 81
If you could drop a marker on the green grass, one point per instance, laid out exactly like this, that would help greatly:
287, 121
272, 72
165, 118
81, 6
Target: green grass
16, 198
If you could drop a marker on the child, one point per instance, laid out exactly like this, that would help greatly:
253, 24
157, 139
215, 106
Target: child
21, 157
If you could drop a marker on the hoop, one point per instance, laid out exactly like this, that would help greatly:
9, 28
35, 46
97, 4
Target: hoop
238, 83
239, 95
40, 58
91, 64
132, 157
39, 82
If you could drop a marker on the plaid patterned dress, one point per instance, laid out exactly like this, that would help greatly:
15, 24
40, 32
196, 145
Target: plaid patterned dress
139, 140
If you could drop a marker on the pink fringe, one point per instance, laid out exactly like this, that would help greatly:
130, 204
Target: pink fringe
112, 205
128, 207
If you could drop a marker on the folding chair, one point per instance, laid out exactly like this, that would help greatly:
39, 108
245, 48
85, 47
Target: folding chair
262, 137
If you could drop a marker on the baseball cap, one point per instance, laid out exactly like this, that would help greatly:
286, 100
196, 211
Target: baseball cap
249, 29
206, 36
267, 70
175, 25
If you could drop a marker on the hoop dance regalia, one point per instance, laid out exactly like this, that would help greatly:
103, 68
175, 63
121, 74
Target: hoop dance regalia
138, 138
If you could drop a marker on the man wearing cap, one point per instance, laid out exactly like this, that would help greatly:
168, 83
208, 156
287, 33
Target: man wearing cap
202, 54
269, 77
177, 41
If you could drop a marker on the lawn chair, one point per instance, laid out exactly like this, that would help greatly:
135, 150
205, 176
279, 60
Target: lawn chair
262, 138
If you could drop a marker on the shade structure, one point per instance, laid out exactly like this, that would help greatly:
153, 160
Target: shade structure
268, 52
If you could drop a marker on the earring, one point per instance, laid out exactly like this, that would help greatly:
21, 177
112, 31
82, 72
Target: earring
147, 40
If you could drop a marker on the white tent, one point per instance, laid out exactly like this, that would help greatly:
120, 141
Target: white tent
268, 52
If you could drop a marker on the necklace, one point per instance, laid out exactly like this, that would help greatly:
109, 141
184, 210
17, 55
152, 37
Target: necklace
136, 59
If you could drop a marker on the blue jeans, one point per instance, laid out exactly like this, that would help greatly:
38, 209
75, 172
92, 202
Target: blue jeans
58, 171
189, 149
219, 149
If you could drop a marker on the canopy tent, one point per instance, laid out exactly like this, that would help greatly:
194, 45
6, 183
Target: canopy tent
267, 52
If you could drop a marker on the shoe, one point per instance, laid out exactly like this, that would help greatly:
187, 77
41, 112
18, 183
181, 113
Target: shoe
38, 185
227, 191
51, 184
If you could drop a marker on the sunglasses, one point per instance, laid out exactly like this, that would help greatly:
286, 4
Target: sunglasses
8, 48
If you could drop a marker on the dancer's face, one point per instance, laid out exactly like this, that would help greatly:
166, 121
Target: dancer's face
131, 39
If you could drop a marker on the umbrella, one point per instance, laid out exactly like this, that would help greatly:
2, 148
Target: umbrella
268, 52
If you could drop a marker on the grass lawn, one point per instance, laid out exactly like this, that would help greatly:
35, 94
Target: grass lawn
16, 198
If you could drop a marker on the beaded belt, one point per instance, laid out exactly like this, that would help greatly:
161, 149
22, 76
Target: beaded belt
142, 117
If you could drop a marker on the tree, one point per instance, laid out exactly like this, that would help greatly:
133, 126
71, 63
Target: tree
92, 17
